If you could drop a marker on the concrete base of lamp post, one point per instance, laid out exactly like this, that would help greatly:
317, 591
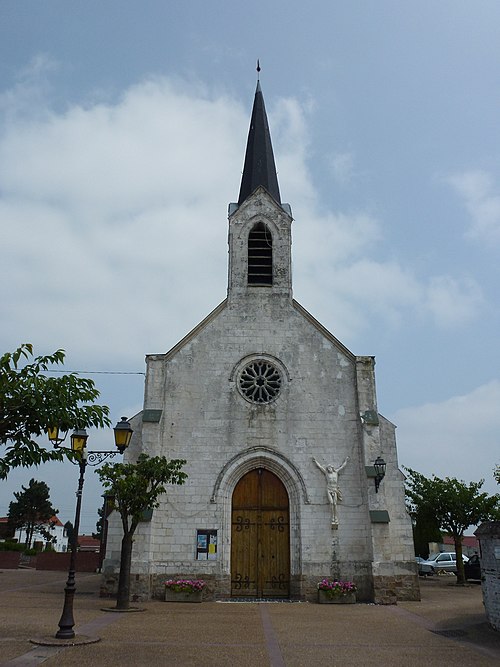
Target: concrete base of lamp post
77, 640
123, 611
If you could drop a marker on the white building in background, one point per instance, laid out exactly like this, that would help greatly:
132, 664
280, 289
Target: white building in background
59, 536
279, 424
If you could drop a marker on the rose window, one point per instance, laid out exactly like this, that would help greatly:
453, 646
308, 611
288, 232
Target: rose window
260, 382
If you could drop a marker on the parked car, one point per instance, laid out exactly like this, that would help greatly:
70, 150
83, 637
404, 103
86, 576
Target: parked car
445, 561
472, 568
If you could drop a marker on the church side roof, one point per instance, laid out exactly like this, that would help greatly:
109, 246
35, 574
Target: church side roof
259, 167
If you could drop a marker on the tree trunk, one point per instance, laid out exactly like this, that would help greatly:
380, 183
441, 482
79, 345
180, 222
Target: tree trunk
460, 561
29, 535
123, 597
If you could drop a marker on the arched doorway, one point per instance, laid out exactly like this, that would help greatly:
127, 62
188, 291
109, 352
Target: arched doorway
260, 537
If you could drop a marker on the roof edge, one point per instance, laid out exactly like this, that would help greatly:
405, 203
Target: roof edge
323, 329
233, 207
189, 336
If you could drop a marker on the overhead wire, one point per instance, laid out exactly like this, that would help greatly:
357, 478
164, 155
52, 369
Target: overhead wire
97, 372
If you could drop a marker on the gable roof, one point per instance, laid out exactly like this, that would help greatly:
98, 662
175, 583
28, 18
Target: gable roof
215, 312
194, 332
323, 330
467, 541
88, 543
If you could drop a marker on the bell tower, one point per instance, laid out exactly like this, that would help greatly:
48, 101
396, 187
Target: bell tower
259, 223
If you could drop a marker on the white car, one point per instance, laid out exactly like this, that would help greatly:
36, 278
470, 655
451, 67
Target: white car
445, 561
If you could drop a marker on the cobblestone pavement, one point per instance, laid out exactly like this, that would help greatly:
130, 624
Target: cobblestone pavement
448, 627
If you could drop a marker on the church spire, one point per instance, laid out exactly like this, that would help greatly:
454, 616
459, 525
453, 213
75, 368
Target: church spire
259, 168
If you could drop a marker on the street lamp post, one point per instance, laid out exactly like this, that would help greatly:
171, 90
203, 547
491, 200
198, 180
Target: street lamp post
107, 506
82, 458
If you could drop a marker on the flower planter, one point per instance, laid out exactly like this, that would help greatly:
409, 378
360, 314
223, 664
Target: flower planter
182, 596
325, 598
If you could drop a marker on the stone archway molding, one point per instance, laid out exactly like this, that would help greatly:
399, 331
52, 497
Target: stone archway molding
286, 471
255, 457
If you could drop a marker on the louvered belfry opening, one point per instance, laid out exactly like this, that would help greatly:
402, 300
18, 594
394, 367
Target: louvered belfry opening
260, 256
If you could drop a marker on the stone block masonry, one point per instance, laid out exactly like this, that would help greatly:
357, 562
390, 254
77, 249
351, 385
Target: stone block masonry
488, 534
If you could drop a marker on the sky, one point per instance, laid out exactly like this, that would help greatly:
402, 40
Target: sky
123, 128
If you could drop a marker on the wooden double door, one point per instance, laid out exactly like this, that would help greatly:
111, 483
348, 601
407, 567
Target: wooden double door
260, 537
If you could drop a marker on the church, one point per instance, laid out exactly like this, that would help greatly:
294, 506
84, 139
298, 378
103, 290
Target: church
292, 472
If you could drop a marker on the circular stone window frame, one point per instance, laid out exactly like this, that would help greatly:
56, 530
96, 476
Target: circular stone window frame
260, 358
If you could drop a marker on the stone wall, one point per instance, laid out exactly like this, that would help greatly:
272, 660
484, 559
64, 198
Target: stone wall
396, 588
488, 534
9, 560
86, 561
379, 589
194, 409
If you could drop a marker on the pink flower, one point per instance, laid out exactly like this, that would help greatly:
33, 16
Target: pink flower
185, 585
337, 588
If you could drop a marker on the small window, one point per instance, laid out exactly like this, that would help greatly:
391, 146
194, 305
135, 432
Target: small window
260, 256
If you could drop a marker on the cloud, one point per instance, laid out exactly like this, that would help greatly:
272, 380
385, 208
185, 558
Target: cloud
453, 302
288, 121
114, 235
342, 168
457, 437
151, 148
482, 201
120, 207
27, 98
363, 289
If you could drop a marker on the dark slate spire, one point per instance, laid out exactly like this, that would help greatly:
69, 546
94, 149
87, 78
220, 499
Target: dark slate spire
259, 166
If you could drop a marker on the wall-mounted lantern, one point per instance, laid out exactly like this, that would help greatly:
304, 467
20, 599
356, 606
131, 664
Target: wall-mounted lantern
379, 466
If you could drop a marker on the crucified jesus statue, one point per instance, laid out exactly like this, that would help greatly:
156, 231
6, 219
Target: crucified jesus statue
332, 488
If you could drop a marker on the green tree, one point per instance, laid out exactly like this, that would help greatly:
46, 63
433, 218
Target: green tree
496, 474
31, 401
32, 510
135, 488
99, 526
455, 504
425, 530
70, 534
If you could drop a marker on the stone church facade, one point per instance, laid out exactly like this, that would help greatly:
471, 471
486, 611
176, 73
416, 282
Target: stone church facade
279, 424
